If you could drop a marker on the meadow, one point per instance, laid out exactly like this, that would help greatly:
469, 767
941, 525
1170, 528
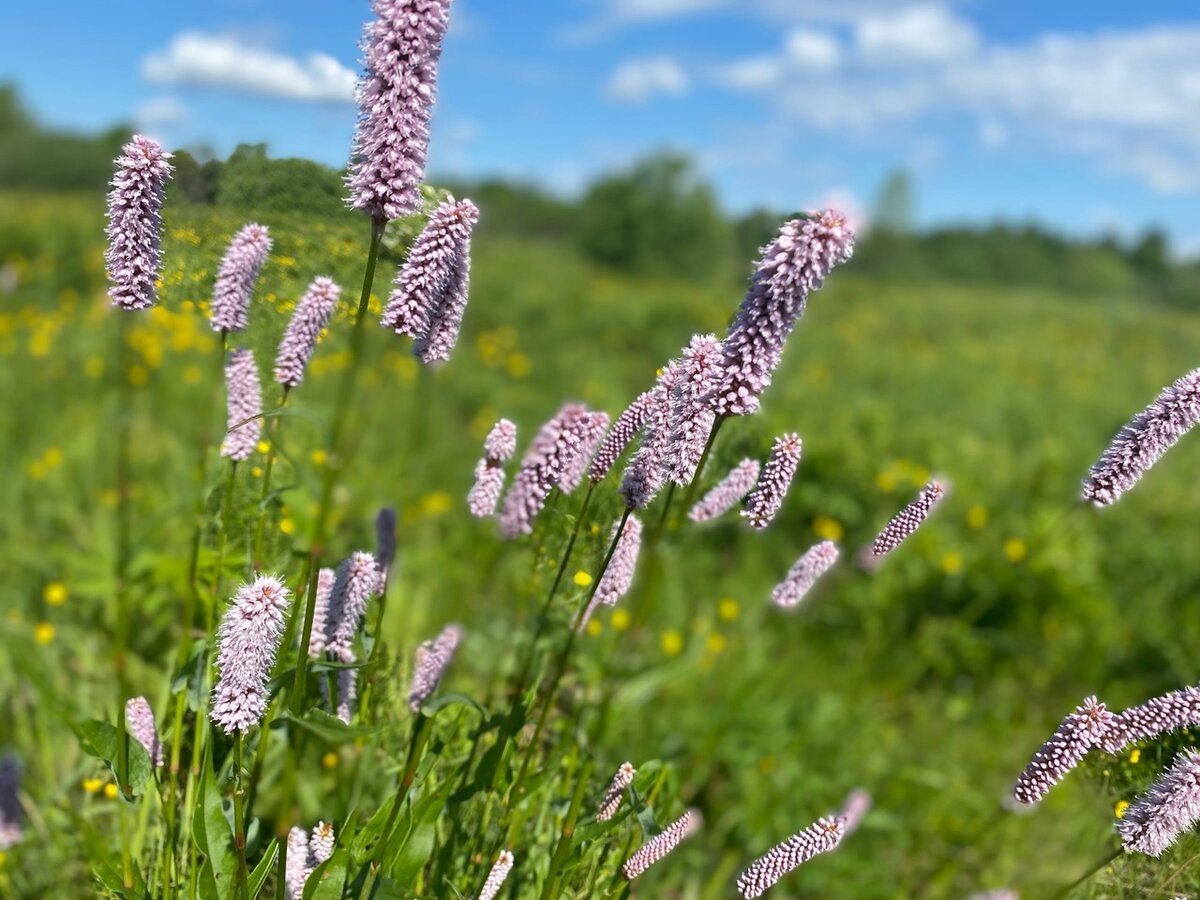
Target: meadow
929, 682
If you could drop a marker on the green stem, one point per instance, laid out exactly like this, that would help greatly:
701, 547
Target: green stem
420, 737
273, 428
242, 886
300, 680
222, 534
1089, 873
690, 494
652, 540
551, 887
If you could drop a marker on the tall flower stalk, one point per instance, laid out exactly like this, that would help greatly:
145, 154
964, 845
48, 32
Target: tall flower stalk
134, 254
236, 277
821, 837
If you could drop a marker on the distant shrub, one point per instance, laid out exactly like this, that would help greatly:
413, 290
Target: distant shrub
252, 182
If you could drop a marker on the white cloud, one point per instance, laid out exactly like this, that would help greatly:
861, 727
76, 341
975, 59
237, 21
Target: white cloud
811, 49
215, 61
159, 112
992, 134
918, 34
639, 80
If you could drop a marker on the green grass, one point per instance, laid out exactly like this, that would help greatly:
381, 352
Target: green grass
930, 683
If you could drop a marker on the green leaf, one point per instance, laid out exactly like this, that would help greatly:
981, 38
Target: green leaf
191, 677
263, 869
99, 739
436, 705
368, 836
213, 836
328, 880
327, 727
412, 845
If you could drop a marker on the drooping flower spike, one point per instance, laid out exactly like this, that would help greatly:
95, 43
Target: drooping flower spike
646, 472
139, 719
727, 493
304, 854
1170, 808
663, 843
357, 580
496, 877
501, 442
790, 267
430, 663
1080, 731
400, 48
134, 254
591, 435
499, 446
611, 801
628, 424
692, 415
247, 642
618, 577
311, 317
1159, 715
854, 810
243, 400
236, 277
1141, 443
766, 499
815, 562
908, 520
820, 837
552, 450
318, 638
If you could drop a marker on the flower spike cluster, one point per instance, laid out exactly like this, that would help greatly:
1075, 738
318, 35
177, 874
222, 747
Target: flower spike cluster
311, 317
908, 520
1171, 807
430, 663
243, 402
692, 416
236, 276
1142, 442
1079, 732
551, 452
400, 49
727, 493
304, 854
12, 829
496, 877
820, 837
355, 583
815, 562
134, 253
646, 472
139, 719
854, 809
766, 499
430, 294
662, 844
628, 424
248, 640
498, 448
791, 266
317, 639
611, 801
618, 577
591, 435
1156, 716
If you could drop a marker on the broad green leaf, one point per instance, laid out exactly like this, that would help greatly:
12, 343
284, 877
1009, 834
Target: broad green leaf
99, 739
368, 836
329, 878
327, 727
439, 703
263, 869
412, 845
213, 836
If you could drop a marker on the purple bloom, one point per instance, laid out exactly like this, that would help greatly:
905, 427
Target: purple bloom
646, 472
816, 561
854, 810
791, 266
485, 492
247, 642
662, 844
618, 577
820, 837
430, 663
591, 434
612, 797
692, 416
316, 639
243, 401
551, 451
311, 317
908, 520
236, 277
1142, 442
297, 868
499, 872
1156, 716
1079, 732
347, 689
727, 493
356, 581
12, 829
395, 102
139, 719
134, 252
320, 845
385, 544
1169, 808
766, 499
501, 442
628, 424
446, 317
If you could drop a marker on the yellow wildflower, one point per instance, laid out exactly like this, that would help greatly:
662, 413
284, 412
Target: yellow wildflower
110, 791
1135, 755
715, 642
672, 642
582, 578
619, 620
329, 760
727, 609
951, 563
287, 525
55, 593
1015, 549
594, 627
977, 517
1120, 808
43, 633
91, 785
827, 528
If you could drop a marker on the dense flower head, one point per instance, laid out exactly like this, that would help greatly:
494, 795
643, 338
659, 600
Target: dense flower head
139, 719
854, 809
646, 472
501, 442
590, 435
311, 317
12, 827
815, 562
1172, 806
908, 520
243, 402
790, 267
354, 584
550, 452
766, 499
236, 277
820, 837
1142, 442
692, 415
430, 293
486, 490
628, 424
611, 801
316, 640
430, 663
134, 253
1079, 732
727, 493
618, 577
385, 543
496, 877
320, 845
400, 49
1170, 712
662, 844
347, 689
297, 868
247, 642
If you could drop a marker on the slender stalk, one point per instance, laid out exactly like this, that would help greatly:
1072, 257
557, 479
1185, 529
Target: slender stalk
551, 887
652, 540
300, 681
222, 534
242, 886
690, 494
273, 428
1089, 873
121, 588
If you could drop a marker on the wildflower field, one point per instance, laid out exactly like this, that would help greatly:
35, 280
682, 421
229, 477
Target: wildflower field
928, 682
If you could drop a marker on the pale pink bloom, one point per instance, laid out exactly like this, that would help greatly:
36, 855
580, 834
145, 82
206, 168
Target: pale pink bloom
496, 877
139, 719
662, 844
732, 488
247, 642
820, 837
611, 801
1079, 732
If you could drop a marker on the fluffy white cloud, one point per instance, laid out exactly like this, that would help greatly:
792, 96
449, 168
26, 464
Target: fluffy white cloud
639, 80
917, 34
811, 49
216, 61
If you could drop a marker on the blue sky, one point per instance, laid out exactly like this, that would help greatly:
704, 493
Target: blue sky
1084, 115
